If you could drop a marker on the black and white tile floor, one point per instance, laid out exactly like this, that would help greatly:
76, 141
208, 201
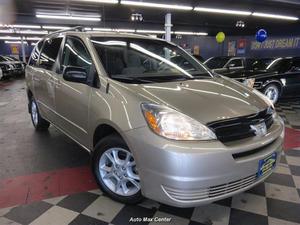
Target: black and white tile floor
276, 202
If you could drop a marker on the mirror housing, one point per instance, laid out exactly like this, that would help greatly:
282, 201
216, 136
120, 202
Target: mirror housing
75, 74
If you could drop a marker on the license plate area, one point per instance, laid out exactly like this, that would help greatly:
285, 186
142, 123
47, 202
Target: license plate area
266, 165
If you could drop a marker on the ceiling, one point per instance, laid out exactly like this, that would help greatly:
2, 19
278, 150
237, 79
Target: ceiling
118, 16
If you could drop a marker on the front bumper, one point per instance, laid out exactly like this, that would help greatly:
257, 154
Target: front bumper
192, 173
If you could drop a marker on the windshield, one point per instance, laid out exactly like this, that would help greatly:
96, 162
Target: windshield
257, 64
216, 62
138, 60
2, 59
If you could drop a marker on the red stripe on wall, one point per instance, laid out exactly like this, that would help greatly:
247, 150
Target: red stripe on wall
36, 187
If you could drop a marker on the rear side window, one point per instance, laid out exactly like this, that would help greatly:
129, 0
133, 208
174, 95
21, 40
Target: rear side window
235, 63
35, 54
50, 52
76, 54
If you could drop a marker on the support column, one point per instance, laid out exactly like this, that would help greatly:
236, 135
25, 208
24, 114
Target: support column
168, 25
23, 49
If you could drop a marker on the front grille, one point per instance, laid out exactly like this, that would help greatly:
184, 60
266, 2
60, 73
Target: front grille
211, 192
239, 128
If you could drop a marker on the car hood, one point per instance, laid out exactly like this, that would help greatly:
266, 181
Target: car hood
205, 100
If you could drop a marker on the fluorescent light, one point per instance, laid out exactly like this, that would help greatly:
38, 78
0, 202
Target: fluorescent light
151, 31
66, 17
26, 26
99, 1
55, 27
157, 5
32, 32
6, 31
9, 38
274, 16
125, 30
16, 42
102, 29
33, 38
222, 11
190, 33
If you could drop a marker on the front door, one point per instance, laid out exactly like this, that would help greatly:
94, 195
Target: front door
72, 99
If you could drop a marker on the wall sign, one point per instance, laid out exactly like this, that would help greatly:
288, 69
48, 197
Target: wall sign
231, 48
241, 46
278, 43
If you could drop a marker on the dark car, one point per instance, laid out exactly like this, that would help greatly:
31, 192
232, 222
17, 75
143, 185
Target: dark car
274, 77
218, 62
6, 68
199, 58
19, 67
281, 78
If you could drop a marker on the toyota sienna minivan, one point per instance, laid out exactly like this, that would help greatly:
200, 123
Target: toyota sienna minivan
156, 122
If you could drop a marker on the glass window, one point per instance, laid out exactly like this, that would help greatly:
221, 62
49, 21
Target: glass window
235, 63
35, 54
216, 62
138, 60
76, 54
2, 59
50, 52
296, 65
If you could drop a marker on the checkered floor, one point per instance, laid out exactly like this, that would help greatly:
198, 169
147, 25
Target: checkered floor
289, 110
276, 202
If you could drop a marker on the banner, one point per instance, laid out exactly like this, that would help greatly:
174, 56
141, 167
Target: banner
278, 43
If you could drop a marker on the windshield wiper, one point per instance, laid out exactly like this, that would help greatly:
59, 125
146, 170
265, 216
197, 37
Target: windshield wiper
138, 79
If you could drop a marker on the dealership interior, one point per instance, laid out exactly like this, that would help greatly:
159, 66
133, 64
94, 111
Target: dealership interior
238, 83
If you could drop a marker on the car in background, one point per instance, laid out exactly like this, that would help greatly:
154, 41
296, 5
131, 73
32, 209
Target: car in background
274, 77
6, 67
199, 58
19, 67
217, 63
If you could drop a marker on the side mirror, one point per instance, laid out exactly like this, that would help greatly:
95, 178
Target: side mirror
75, 74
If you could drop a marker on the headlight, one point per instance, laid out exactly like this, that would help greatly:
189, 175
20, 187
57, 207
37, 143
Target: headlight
174, 125
249, 82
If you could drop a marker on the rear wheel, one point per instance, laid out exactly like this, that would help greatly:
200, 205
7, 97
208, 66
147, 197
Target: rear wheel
115, 170
38, 122
272, 91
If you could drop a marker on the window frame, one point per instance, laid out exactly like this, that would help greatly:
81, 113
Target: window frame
38, 59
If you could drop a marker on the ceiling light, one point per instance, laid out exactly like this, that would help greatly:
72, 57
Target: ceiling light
33, 38
191, 33
26, 26
99, 1
274, 16
6, 31
66, 17
55, 27
16, 42
222, 11
151, 31
32, 32
102, 29
125, 30
157, 5
9, 38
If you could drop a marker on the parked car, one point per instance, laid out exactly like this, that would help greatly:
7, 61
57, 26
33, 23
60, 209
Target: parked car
6, 68
199, 58
19, 67
218, 62
175, 133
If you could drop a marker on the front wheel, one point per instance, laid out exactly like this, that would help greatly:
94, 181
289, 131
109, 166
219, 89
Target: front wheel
115, 170
38, 122
272, 91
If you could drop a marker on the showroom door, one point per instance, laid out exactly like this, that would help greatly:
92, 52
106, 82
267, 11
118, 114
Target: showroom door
72, 98
47, 78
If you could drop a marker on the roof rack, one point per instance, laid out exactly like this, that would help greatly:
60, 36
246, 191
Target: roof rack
77, 28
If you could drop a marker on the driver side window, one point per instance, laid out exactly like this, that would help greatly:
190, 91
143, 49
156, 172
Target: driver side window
75, 54
235, 63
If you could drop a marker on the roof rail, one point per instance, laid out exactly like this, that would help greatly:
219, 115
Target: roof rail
77, 28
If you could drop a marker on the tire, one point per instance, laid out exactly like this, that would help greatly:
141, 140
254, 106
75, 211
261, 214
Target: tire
38, 122
272, 91
108, 178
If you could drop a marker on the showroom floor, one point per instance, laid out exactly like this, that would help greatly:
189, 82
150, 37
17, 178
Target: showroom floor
45, 179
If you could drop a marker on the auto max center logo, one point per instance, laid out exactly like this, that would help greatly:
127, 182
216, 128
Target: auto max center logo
280, 43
